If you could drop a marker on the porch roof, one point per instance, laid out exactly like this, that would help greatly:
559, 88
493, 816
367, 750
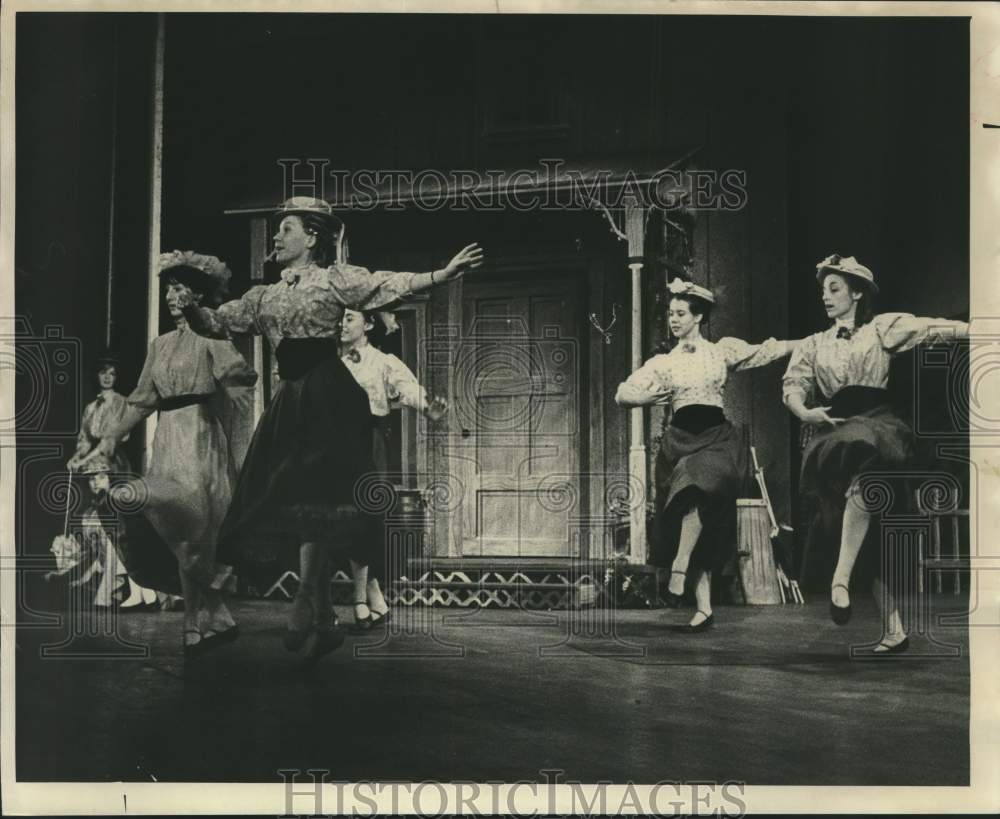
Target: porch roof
385, 188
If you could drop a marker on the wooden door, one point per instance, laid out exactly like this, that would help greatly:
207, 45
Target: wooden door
517, 390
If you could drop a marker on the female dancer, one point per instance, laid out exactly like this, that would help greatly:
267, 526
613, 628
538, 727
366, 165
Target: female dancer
100, 416
188, 483
313, 442
701, 462
389, 384
848, 366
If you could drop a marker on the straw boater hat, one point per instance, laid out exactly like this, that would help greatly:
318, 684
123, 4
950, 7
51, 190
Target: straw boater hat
206, 274
846, 266
679, 287
302, 205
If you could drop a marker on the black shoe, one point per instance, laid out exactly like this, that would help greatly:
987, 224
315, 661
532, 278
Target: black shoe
899, 648
361, 625
840, 615
381, 619
670, 599
704, 625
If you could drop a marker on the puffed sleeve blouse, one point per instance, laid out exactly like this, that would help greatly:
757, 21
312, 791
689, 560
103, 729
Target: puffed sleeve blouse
696, 372
307, 302
183, 363
99, 418
390, 384
827, 363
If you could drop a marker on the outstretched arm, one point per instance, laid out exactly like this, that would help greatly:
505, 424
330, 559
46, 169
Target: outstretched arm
236, 316
900, 332
740, 355
359, 289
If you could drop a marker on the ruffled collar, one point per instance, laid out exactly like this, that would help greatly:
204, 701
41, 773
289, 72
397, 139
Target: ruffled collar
312, 273
690, 345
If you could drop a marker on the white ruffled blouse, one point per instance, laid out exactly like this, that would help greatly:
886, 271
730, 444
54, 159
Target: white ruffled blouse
696, 372
827, 363
390, 384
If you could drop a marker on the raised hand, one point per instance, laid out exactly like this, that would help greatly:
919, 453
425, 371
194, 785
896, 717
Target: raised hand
436, 409
819, 415
469, 257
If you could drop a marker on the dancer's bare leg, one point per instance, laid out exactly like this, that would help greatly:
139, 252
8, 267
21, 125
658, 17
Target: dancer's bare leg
690, 532
303, 612
192, 608
360, 574
376, 600
219, 617
855, 527
892, 624
703, 597
326, 617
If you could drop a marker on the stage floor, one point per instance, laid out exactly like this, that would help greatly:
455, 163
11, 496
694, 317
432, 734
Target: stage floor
771, 696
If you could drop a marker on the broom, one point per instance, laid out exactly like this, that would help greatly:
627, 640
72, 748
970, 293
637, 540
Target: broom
781, 539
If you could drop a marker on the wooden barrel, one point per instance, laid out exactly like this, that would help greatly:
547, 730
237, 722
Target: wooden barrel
758, 574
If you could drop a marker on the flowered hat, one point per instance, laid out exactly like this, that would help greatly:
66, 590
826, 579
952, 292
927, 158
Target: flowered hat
206, 274
847, 266
680, 287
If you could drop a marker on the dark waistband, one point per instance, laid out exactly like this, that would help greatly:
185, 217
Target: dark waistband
855, 400
696, 418
176, 402
297, 356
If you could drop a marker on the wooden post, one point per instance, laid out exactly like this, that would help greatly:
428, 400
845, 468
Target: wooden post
635, 218
258, 252
155, 204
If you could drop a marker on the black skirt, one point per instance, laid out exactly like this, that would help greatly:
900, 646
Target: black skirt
873, 439
701, 463
303, 476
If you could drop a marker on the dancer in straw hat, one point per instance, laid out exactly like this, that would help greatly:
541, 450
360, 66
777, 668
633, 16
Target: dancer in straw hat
847, 365
313, 443
702, 458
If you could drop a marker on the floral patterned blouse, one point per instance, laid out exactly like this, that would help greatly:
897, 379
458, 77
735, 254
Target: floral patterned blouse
308, 302
182, 362
827, 363
695, 372
390, 384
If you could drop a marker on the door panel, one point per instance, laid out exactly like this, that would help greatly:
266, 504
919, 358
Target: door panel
518, 402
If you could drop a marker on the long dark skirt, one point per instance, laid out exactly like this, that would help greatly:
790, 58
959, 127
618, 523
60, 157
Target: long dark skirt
302, 479
873, 441
698, 469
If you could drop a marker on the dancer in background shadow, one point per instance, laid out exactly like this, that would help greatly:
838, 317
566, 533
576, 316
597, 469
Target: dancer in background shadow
390, 384
99, 417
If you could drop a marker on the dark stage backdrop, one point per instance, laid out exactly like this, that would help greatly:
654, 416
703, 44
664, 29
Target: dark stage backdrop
870, 115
